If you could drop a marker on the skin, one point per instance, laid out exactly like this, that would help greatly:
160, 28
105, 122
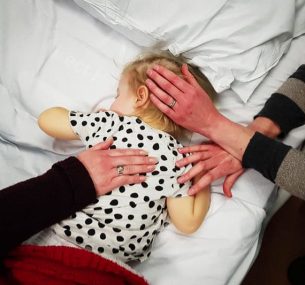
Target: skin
101, 162
195, 111
186, 213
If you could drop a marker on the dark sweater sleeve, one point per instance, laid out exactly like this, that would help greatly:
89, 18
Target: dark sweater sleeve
278, 162
30, 206
286, 106
264, 155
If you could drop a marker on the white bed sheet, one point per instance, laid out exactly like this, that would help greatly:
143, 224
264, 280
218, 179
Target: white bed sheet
53, 53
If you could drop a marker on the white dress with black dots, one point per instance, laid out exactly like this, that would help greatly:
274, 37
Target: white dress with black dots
124, 223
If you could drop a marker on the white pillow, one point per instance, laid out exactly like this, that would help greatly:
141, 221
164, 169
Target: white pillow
234, 42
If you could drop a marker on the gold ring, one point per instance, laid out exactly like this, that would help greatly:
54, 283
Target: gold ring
120, 169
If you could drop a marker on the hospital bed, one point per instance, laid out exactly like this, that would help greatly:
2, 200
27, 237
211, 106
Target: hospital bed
70, 53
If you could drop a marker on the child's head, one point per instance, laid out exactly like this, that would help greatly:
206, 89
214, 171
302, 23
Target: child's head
133, 97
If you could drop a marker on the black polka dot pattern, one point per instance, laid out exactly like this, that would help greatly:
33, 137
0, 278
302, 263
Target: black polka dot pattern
124, 222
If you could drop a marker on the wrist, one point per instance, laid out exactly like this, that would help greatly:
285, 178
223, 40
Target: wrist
212, 125
265, 126
231, 136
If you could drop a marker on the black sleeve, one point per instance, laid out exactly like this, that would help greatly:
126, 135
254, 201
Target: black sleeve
264, 155
282, 109
30, 206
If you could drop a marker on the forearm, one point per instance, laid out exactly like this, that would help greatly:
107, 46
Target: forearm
231, 136
265, 126
32, 205
277, 162
286, 107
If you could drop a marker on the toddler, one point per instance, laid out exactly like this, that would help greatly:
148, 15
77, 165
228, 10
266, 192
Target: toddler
123, 224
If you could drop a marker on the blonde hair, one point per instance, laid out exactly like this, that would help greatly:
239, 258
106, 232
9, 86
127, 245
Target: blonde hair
136, 72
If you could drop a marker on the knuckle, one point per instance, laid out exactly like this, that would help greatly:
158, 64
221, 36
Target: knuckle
201, 164
201, 155
166, 85
210, 176
127, 169
192, 92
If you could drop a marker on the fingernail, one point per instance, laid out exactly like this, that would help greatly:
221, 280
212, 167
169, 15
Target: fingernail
178, 163
156, 67
142, 178
180, 180
143, 152
190, 192
149, 72
151, 167
153, 160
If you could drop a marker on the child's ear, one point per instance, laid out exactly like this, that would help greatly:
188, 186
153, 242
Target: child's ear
142, 96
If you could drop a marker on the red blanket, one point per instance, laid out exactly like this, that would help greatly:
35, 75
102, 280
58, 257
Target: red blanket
59, 265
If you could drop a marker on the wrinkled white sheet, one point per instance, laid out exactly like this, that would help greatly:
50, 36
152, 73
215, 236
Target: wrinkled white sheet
234, 42
53, 53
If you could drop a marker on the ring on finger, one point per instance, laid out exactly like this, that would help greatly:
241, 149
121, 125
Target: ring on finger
172, 104
120, 169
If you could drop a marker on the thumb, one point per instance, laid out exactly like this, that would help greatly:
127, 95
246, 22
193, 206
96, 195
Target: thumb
230, 181
103, 145
188, 76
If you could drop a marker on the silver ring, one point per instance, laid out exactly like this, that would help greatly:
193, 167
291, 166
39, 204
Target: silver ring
120, 169
172, 104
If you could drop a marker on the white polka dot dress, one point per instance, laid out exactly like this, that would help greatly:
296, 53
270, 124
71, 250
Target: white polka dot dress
123, 224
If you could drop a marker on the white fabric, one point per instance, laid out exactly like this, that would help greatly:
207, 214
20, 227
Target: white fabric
46, 61
234, 42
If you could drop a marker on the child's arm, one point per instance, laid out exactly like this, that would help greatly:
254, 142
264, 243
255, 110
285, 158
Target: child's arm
55, 123
187, 213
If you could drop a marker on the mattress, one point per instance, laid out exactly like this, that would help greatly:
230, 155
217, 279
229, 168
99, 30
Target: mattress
53, 53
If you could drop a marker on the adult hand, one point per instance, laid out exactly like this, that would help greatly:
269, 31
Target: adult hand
102, 162
183, 100
215, 162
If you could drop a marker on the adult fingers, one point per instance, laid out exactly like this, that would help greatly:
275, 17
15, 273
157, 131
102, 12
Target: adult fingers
199, 147
195, 170
193, 158
162, 96
162, 107
164, 83
189, 76
173, 78
212, 175
126, 152
198, 168
203, 182
137, 169
134, 160
216, 161
230, 181
103, 145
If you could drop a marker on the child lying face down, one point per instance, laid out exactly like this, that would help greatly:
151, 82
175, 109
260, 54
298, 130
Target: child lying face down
123, 224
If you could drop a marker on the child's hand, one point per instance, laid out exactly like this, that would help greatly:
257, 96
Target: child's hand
112, 168
215, 162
